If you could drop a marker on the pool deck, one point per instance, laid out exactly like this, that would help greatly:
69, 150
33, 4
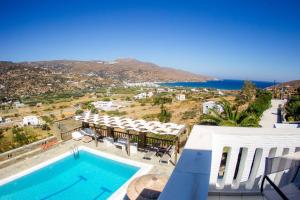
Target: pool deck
158, 168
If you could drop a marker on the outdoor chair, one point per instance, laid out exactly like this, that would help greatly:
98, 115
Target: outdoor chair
289, 186
121, 143
162, 151
166, 158
89, 132
77, 136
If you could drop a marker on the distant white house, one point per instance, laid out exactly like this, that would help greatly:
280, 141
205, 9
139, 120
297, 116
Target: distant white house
211, 105
170, 90
18, 104
180, 97
106, 105
160, 90
205, 90
220, 93
1, 120
143, 95
141, 84
31, 120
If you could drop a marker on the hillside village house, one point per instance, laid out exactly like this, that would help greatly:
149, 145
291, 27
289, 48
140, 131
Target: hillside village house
211, 105
106, 105
220, 93
31, 120
143, 95
19, 104
161, 90
180, 97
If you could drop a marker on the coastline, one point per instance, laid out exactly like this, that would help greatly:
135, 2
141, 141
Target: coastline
221, 84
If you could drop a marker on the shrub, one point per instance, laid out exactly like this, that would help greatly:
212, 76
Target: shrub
261, 103
150, 117
191, 114
78, 112
116, 113
19, 136
106, 99
127, 99
47, 119
1, 133
161, 100
45, 127
292, 108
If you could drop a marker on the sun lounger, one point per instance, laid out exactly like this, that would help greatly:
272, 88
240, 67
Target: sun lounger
89, 132
149, 155
108, 141
167, 156
121, 145
77, 136
87, 139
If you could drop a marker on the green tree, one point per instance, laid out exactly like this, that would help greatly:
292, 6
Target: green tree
229, 117
247, 93
164, 115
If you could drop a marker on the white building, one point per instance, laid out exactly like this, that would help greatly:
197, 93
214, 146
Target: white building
141, 84
160, 90
220, 93
19, 105
1, 120
143, 95
211, 105
180, 97
106, 105
31, 120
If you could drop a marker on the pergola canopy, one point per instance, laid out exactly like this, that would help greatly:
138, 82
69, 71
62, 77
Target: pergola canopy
155, 127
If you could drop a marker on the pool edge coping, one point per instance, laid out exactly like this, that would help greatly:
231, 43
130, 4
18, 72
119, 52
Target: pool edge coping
118, 194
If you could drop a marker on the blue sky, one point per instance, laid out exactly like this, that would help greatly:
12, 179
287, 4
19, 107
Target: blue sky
258, 40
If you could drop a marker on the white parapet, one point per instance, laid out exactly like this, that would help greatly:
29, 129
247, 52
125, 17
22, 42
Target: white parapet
243, 167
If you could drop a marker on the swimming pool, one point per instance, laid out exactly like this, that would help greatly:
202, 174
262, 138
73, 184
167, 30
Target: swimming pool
91, 175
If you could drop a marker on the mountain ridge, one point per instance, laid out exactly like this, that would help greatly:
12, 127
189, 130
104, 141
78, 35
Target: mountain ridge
40, 77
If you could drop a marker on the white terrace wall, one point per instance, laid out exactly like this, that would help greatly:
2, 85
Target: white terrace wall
255, 145
205, 147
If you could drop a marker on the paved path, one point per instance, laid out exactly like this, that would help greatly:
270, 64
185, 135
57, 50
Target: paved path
270, 116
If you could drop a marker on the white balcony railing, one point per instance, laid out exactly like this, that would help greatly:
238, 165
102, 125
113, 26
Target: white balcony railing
198, 170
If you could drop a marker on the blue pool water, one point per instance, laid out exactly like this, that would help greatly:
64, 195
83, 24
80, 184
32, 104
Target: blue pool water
88, 177
219, 84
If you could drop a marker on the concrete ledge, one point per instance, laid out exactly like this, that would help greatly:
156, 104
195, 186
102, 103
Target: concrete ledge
25, 149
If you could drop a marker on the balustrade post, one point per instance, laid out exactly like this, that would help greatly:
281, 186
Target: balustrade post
142, 139
128, 143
